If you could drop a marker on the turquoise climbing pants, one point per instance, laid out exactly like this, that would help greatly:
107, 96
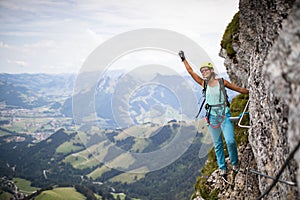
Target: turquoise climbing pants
228, 132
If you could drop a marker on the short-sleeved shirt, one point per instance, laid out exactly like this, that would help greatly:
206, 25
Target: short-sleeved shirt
213, 98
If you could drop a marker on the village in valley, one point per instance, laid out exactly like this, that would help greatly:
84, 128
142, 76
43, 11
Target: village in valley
39, 123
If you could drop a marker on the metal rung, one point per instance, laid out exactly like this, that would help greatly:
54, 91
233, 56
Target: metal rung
239, 124
234, 119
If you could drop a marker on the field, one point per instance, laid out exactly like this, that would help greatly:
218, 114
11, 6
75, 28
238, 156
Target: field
68, 147
66, 193
98, 172
6, 196
127, 178
24, 186
3, 133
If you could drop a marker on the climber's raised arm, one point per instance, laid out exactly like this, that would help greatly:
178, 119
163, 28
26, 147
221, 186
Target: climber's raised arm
190, 70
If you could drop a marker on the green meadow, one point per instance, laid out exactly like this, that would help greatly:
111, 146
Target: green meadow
64, 193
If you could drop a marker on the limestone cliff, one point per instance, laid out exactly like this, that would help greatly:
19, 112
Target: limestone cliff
267, 60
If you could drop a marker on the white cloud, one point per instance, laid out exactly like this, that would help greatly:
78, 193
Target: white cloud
18, 62
61, 34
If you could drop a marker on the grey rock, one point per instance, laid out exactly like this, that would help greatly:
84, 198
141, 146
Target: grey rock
268, 62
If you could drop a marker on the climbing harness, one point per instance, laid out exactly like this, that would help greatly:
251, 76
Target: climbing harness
219, 117
222, 106
219, 109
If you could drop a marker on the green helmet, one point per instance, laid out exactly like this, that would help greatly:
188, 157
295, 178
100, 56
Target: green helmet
207, 64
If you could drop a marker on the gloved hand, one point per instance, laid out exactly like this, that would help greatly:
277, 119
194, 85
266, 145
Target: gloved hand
181, 55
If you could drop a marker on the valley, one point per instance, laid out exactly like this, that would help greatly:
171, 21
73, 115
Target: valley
44, 145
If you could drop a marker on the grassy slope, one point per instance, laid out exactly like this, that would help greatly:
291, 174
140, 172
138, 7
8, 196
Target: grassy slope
128, 177
98, 172
66, 193
6, 196
3, 133
24, 186
93, 155
68, 147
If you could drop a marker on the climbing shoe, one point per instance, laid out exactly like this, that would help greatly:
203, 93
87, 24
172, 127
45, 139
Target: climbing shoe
236, 168
223, 172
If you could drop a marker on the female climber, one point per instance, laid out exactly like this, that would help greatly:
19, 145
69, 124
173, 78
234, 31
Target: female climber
217, 112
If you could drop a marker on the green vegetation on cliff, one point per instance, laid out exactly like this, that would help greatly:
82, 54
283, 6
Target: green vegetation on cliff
230, 36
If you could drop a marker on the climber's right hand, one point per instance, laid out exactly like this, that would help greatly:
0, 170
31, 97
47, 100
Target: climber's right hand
181, 55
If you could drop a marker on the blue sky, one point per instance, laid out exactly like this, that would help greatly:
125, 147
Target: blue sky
54, 36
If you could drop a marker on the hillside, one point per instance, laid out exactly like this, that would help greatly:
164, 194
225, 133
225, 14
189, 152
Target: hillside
84, 158
60, 194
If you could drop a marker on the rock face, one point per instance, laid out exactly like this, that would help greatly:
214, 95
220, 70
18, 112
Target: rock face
241, 186
268, 62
